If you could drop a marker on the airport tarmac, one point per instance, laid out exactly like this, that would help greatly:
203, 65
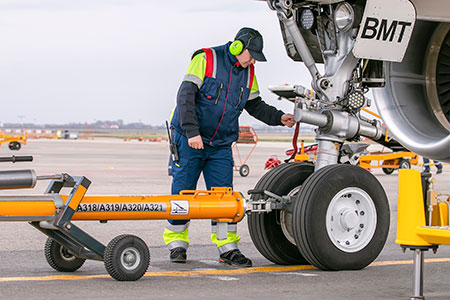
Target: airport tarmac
116, 167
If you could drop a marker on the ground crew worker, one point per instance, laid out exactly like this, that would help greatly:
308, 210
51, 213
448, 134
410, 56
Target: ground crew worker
219, 83
437, 164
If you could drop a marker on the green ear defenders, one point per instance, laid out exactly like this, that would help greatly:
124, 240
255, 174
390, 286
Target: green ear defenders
238, 46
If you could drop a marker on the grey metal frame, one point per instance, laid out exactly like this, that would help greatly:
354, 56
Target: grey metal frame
335, 124
59, 226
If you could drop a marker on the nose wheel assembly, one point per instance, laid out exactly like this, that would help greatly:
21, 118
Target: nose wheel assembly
336, 218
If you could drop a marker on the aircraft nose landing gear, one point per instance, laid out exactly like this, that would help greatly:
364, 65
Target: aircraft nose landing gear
338, 216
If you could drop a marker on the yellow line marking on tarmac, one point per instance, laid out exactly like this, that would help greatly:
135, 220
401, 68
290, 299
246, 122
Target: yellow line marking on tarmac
230, 272
406, 262
51, 278
213, 272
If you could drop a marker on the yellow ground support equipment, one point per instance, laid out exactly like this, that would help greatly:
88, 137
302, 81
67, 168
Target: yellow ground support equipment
388, 161
422, 221
126, 257
15, 141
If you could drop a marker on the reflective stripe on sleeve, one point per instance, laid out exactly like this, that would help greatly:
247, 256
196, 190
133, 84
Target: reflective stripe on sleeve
253, 95
211, 62
254, 89
197, 68
194, 79
214, 73
250, 76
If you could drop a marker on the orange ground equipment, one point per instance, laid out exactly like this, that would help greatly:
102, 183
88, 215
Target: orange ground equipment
247, 135
126, 257
15, 141
307, 153
389, 161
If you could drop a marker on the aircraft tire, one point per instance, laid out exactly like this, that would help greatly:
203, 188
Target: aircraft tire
341, 218
271, 232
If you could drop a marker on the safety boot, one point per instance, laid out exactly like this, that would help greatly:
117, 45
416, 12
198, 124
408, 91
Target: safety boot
235, 258
178, 255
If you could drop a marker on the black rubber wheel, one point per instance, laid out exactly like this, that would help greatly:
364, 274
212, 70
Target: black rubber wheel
126, 258
388, 171
404, 164
272, 233
341, 218
14, 146
244, 170
60, 259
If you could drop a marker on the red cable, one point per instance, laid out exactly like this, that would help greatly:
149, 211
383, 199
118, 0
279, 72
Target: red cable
294, 142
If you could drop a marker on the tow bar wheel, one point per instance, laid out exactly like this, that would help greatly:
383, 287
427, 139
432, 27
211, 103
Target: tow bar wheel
126, 258
60, 259
341, 218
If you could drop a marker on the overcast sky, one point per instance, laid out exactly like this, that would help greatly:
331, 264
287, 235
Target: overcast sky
86, 60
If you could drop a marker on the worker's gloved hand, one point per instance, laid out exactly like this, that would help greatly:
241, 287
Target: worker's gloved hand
288, 120
196, 142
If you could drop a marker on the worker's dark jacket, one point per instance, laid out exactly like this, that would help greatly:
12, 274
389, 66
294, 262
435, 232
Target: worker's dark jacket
213, 110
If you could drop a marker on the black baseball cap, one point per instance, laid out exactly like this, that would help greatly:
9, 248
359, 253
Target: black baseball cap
252, 41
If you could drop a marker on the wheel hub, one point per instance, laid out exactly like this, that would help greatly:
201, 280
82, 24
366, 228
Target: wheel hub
130, 258
348, 219
66, 255
351, 219
286, 219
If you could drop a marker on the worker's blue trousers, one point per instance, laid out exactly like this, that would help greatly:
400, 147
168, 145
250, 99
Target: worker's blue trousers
216, 163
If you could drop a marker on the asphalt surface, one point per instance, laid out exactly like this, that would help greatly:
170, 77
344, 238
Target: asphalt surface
116, 167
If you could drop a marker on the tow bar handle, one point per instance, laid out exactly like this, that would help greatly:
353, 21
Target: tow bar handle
14, 158
256, 192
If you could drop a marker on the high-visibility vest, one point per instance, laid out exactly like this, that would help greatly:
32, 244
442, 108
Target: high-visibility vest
222, 97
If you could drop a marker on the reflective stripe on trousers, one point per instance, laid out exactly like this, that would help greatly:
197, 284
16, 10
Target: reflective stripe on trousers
176, 236
228, 244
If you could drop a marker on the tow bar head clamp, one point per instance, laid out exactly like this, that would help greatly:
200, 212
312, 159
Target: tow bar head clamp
267, 202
